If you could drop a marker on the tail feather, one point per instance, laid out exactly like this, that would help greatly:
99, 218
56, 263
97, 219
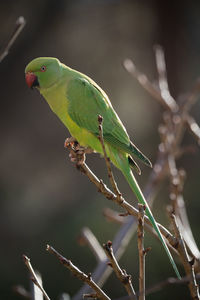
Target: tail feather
137, 191
137, 153
134, 165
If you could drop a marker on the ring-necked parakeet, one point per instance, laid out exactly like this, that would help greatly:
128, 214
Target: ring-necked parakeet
77, 100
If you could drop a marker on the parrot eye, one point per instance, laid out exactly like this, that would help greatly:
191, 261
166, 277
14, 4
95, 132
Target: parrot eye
43, 68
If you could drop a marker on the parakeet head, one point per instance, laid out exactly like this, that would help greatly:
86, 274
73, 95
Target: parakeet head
43, 72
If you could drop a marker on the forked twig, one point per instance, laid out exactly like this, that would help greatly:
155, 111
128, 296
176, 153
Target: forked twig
121, 274
79, 274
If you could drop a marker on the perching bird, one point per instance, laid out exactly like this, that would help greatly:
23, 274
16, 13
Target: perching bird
77, 100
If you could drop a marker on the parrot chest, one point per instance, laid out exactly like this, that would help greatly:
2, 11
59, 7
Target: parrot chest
58, 102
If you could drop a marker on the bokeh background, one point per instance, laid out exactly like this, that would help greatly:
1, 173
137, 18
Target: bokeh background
43, 199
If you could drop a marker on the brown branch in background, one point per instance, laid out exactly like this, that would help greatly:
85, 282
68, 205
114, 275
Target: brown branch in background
194, 128
121, 274
177, 179
145, 82
22, 292
79, 274
20, 23
187, 264
113, 216
192, 97
162, 76
141, 251
88, 237
34, 278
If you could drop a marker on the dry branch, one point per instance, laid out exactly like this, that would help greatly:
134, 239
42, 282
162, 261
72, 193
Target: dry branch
107, 160
141, 251
121, 274
34, 278
79, 274
20, 23
187, 264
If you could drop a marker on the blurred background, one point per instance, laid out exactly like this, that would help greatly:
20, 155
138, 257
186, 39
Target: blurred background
43, 199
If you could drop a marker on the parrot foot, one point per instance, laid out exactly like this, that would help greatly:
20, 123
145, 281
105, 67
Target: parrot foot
69, 141
77, 152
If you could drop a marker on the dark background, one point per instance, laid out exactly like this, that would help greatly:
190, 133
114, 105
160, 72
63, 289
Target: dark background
43, 199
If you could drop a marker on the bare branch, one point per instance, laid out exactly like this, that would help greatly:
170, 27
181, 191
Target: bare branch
194, 128
187, 264
145, 82
110, 174
79, 274
192, 97
177, 178
141, 251
20, 23
162, 79
37, 294
121, 274
34, 277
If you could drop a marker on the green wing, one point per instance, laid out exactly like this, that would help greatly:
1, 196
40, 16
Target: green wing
86, 102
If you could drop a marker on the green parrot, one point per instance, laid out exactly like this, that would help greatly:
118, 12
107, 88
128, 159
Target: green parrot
77, 100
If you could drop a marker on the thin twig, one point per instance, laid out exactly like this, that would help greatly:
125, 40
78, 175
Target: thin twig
121, 274
20, 23
163, 83
79, 274
37, 294
93, 243
193, 127
187, 264
177, 178
145, 82
110, 174
141, 251
34, 277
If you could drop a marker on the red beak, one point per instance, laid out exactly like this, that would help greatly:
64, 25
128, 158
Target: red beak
31, 80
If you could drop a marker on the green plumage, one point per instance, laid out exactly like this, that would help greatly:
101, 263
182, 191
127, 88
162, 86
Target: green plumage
77, 100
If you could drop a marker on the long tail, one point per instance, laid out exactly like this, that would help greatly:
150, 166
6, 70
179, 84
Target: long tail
137, 191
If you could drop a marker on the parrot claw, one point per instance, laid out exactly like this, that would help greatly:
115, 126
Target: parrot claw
69, 142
